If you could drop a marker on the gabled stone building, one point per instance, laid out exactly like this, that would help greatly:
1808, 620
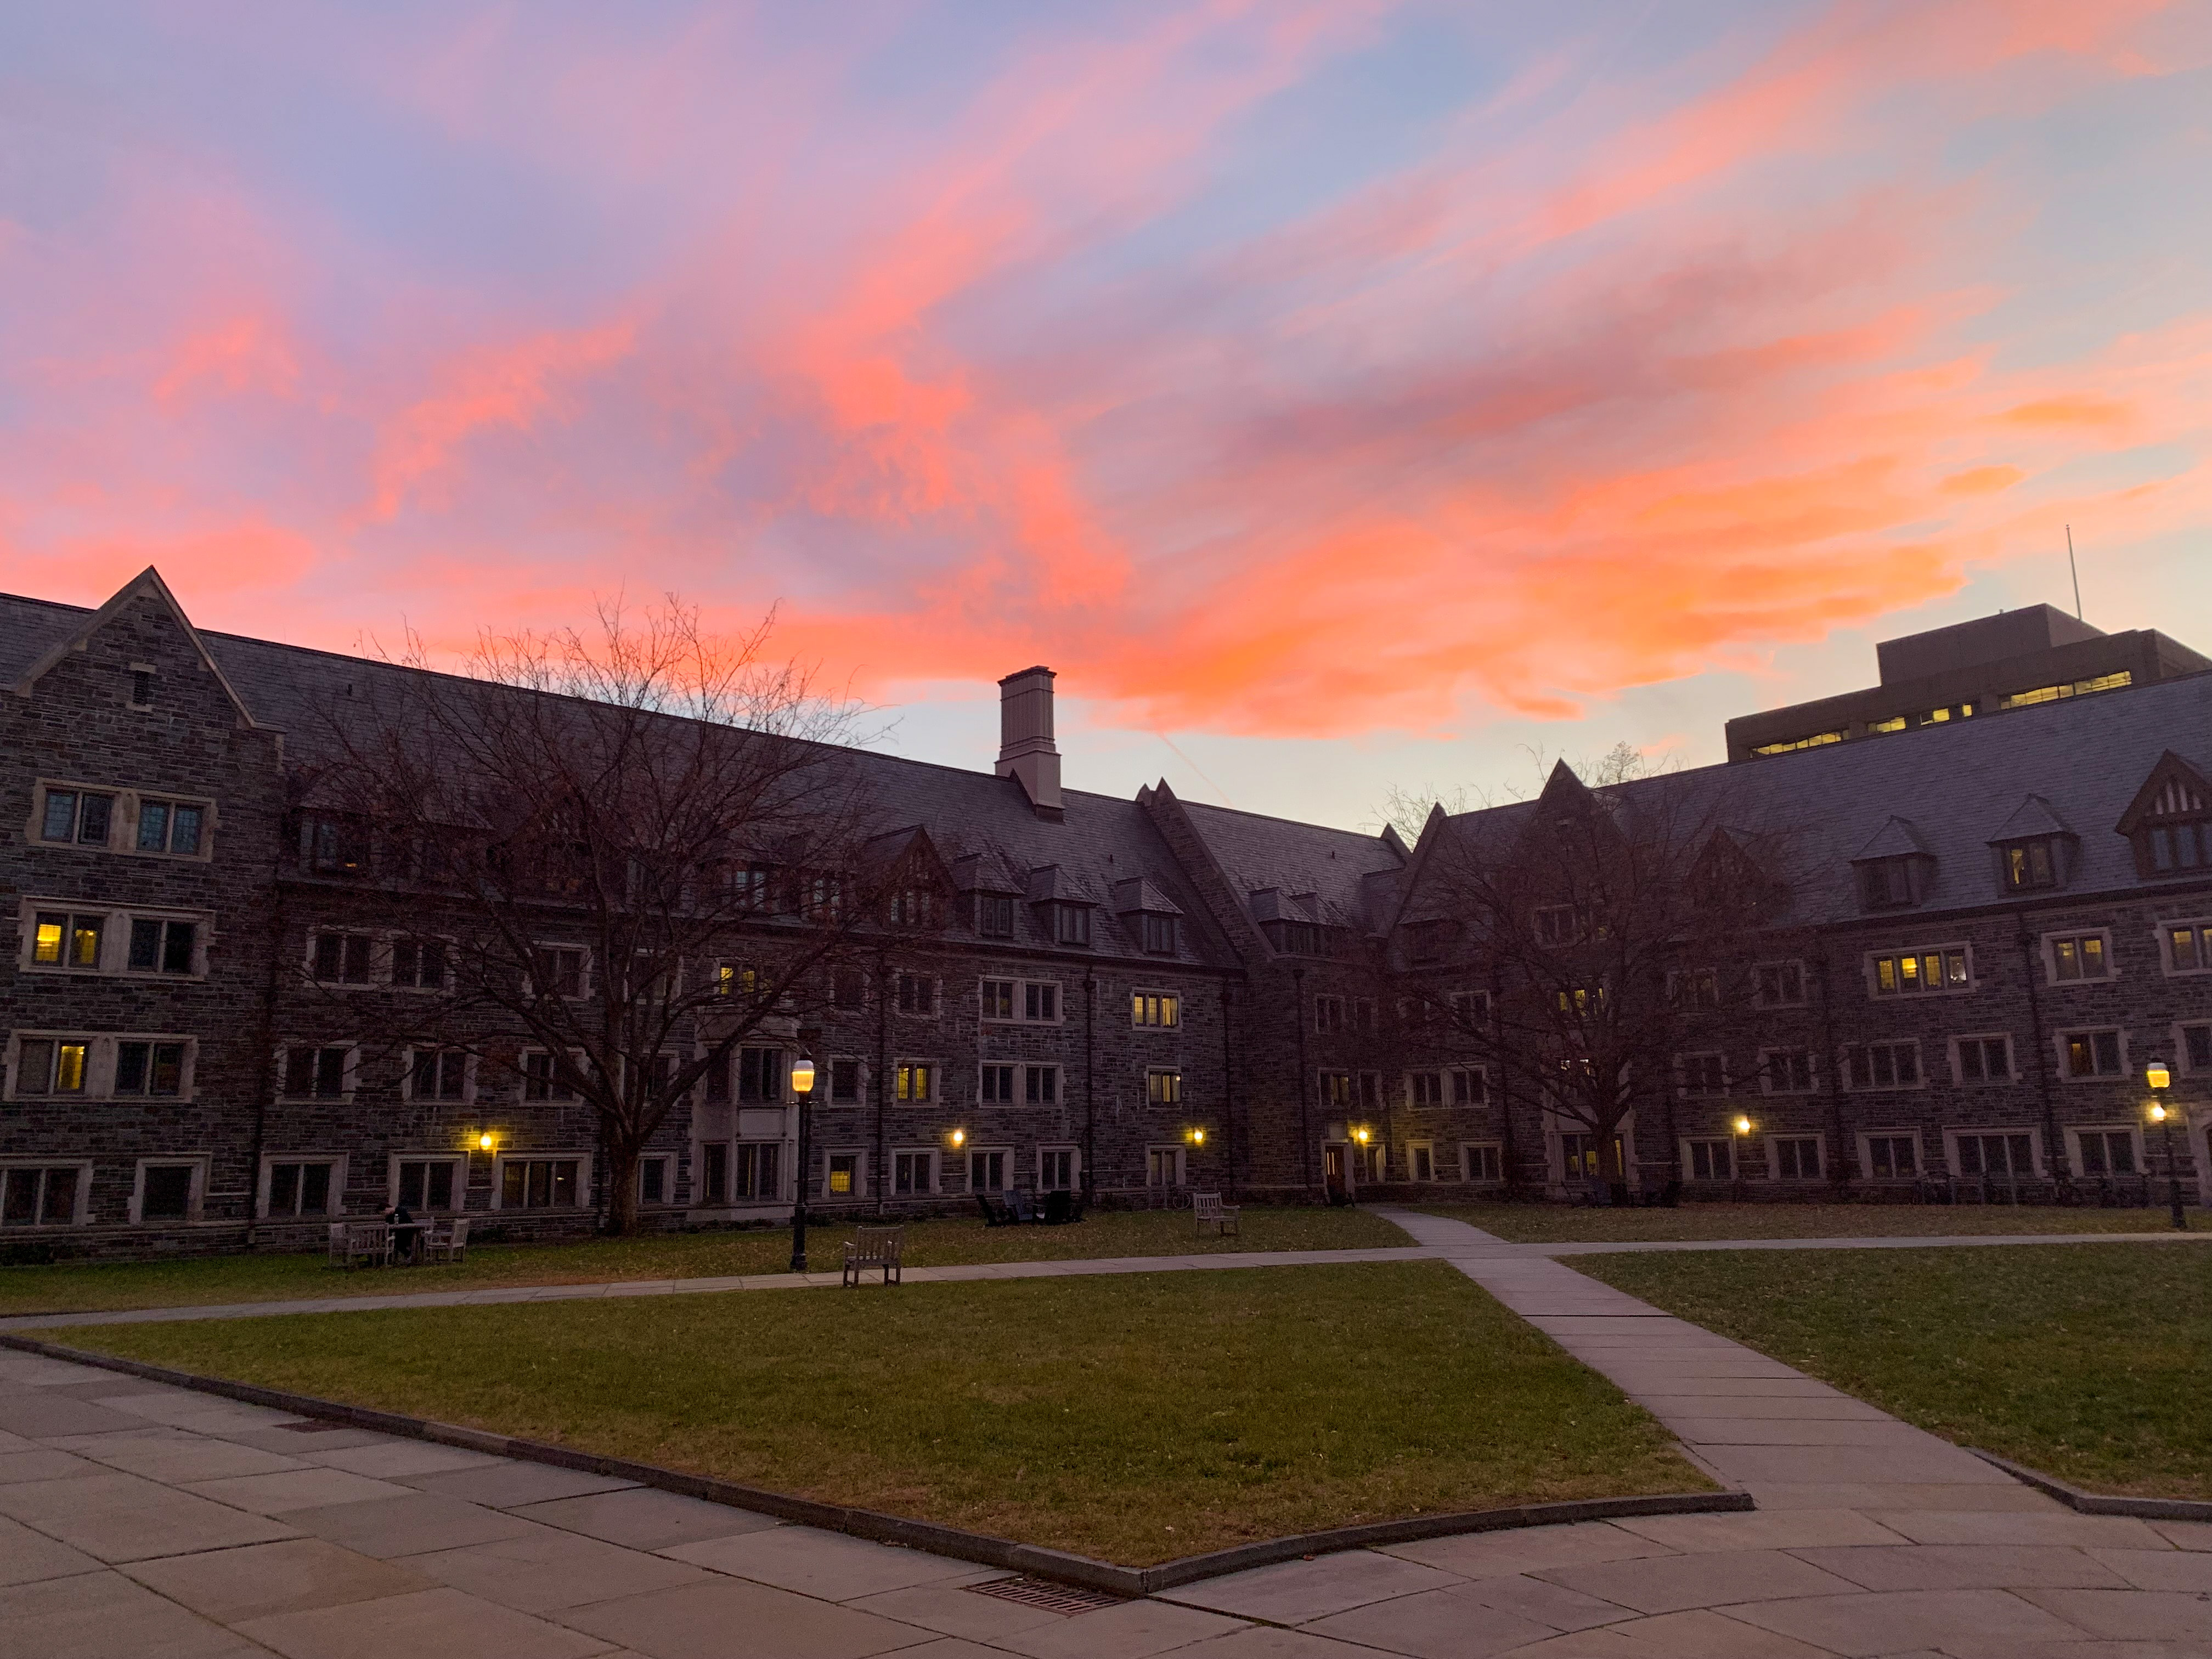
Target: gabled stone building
1990, 923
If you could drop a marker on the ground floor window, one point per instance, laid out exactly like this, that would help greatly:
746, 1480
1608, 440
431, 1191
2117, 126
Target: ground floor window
1578, 1155
168, 1191
1164, 1166
656, 1180
1796, 1157
1893, 1157
539, 1183
1056, 1169
1367, 1162
987, 1172
1712, 1160
302, 1187
429, 1183
2107, 1151
1421, 1161
913, 1173
39, 1195
1483, 1163
843, 1177
1997, 1154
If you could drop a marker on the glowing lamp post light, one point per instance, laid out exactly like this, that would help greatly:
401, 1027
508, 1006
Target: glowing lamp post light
802, 1087
2161, 1079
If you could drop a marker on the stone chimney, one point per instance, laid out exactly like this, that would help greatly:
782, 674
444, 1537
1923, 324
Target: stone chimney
1025, 746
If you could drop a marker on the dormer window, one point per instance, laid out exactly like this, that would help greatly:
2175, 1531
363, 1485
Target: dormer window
2170, 821
2031, 864
1888, 884
994, 915
1071, 924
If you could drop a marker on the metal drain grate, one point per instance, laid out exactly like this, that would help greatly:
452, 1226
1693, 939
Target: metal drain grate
1043, 1593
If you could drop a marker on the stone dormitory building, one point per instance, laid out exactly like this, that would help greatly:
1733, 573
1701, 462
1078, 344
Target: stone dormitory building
1999, 909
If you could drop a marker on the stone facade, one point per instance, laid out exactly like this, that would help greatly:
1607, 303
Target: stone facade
1246, 1036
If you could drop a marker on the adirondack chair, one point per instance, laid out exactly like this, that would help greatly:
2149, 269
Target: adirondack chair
994, 1214
1023, 1206
873, 1247
1061, 1207
450, 1245
1207, 1210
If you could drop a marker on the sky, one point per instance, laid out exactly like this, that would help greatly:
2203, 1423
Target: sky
1339, 396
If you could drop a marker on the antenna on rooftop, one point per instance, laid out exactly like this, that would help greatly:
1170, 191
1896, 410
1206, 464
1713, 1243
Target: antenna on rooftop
2073, 571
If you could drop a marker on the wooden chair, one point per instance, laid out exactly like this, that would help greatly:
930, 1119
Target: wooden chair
873, 1247
994, 1214
1208, 1211
450, 1245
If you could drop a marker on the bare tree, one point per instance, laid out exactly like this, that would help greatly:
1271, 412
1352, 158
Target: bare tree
1594, 917
1406, 810
633, 850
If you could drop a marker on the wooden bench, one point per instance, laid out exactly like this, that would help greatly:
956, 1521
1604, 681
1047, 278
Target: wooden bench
1208, 1211
874, 1247
360, 1241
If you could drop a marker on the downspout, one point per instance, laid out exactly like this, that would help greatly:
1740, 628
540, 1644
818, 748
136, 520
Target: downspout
1846, 1148
1089, 1086
1508, 1168
264, 1070
883, 1067
2054, 1144
1305, 1110
1229, 1083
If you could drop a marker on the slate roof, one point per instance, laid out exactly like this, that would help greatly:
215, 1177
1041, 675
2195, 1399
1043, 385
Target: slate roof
1258, 854
1100, 840
1958, 785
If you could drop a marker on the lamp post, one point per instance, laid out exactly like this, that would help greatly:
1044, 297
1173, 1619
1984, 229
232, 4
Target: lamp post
1741, 1128
802, 1085
2160, 1079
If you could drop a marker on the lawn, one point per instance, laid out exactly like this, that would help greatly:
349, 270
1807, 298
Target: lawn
2088, 1361
1554, 1223
1135, 1418
210, 1280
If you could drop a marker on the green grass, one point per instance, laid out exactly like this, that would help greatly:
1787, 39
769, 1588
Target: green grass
2088, 1361
1137, 1418
1554, 1223
213, 1280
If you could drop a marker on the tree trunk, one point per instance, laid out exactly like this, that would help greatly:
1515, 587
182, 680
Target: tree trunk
622, 1187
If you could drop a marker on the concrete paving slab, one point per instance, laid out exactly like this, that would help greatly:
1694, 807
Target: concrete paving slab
262, 1580
711, 1619
1720, 1388
120, 1517
2048, 1525
43, 1415
36, 1371
642, 1518
414, 1525
293, 1489
1709, 1578
541, 1572
1704, 1431
1789, 1529
43, 1463
432, 1623
1436, 1624
1969, 1566
1769, 1408
28, 1556
1869, 1623
1869, 1465
2131, 1615
1298, 1592
828, 1565
175, 1455
104, 1616
1262, 1642
1777, 1495
297, 1440
393, 1459
1135, 1630
1543, 1601
955, 1612
1696, 1635
502, 1484
2187, 1571
1527, 1549
2185, 1535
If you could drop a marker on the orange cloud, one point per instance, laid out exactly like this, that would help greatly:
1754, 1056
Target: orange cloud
1982, 480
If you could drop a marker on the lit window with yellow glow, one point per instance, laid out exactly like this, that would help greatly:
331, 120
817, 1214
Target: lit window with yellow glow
915, 1081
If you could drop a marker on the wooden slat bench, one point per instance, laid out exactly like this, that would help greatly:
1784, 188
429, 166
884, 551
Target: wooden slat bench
874, 1247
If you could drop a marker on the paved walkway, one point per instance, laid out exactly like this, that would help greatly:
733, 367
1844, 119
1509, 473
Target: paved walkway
1461, 1242
139, 1520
